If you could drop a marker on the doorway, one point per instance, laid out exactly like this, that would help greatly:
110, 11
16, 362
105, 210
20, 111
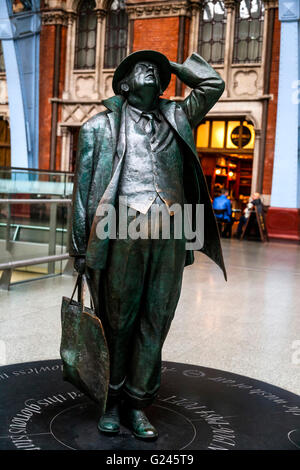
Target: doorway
225, 147
229, 171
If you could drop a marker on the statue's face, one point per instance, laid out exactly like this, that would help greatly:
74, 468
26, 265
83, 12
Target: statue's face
144, 74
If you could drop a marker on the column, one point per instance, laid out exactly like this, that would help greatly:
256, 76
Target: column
194, 27
70, 47
255, 168
271, 74
230, 6
52, 75
99, 50
65, 148
284, 215
19, 33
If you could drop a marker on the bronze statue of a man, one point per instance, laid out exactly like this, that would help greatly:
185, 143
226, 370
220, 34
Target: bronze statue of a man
141, 149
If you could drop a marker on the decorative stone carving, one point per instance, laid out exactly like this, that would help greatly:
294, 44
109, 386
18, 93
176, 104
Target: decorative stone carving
101, 14
64, 131
85, 87
245, 83
270, 4
194, 8
230, 4
79, 113
108, 91
71, 17
162, 9
54, 17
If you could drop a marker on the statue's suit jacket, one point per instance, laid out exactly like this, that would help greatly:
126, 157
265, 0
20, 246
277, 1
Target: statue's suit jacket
101, 155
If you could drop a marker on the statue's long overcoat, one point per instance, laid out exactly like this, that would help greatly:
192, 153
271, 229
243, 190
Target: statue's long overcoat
101, 155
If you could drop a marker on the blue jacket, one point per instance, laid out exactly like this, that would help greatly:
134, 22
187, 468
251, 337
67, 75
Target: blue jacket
222, 202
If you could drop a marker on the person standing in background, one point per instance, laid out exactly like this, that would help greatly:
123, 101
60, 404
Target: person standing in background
254, 200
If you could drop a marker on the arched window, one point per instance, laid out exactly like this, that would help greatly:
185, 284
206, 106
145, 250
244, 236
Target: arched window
248, 37
85, 51
116, 34
212, 29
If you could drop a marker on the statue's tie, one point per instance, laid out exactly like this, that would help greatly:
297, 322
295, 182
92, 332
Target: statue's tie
149, 127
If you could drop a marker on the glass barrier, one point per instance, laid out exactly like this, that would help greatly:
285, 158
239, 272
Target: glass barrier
35, 209
39, 182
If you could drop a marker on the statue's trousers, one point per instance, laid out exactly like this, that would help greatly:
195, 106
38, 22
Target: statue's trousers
140, 288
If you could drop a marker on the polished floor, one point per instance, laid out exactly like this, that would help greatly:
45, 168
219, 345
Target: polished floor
249, 325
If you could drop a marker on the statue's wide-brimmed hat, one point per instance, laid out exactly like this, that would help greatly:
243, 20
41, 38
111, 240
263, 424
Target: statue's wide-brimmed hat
150, 56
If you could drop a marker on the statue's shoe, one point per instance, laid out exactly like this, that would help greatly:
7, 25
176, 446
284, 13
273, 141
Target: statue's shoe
109, 423
140, 424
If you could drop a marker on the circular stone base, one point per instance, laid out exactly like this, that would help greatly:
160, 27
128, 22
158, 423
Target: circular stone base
197, 408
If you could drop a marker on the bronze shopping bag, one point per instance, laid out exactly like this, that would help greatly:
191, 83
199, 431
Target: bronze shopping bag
83, 348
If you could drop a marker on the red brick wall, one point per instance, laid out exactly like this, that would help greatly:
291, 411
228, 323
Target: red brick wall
159, 34
186, 45
47, 43
186, 37
47, 48
272, 111
61, 87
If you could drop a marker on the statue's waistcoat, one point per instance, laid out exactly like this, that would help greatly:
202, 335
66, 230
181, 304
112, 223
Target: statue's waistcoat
152, 164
